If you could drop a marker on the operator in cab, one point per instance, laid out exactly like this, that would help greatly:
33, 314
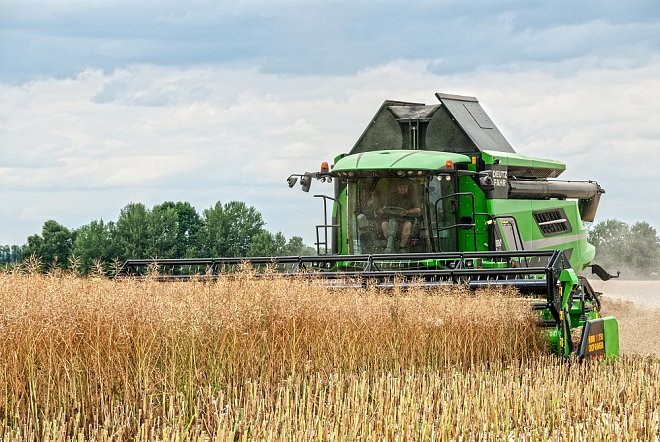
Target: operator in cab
401, 207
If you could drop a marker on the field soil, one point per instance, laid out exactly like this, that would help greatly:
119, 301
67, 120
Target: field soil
636, 305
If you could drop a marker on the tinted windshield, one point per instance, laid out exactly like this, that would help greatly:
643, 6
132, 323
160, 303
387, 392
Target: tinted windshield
397, 215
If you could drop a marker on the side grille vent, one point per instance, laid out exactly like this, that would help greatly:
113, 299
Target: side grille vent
552, 222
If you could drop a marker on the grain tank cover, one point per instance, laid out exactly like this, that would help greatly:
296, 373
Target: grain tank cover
458, 124
474, 121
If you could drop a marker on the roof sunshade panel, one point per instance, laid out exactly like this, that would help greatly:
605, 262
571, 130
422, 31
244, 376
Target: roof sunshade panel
474, 121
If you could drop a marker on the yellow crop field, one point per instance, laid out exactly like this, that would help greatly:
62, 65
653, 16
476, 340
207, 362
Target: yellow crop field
275, 359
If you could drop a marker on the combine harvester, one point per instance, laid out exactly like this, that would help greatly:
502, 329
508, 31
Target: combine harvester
434, 195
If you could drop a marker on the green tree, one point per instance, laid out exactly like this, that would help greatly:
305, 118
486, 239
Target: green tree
609, 237
5, 255
241, 224
296, 247
16, 253
162, 230
94, 242
229, 229
265, 243
212, 234
131, 232
644, 240
189, 230
168, 230
53, 246
635, 250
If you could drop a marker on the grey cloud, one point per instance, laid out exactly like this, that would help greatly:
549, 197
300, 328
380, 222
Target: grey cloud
316, 38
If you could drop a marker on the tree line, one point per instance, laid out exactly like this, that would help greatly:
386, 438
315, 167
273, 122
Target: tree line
633, 249
167, 230
176, 230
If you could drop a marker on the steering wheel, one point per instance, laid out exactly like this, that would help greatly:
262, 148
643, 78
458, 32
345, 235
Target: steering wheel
393, 211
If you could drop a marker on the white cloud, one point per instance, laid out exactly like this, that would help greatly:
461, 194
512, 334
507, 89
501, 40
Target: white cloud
80, 148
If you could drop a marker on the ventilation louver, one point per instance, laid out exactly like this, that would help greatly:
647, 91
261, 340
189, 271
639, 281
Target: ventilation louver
552, 222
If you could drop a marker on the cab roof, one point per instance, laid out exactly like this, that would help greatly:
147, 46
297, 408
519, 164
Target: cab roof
394, 160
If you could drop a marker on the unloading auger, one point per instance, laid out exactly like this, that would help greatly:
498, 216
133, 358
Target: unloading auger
433, 195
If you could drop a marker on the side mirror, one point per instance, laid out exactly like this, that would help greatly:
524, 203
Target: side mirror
291, 181
305, 182
486, 181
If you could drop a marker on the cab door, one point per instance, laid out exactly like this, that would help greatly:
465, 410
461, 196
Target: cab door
506, 234
443, 213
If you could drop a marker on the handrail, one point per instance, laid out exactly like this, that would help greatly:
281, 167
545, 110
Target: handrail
472, 225
325, 226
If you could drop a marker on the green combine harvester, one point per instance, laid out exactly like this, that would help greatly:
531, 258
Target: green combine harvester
434, 195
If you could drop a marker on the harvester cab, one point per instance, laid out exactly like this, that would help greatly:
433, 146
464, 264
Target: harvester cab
405, 210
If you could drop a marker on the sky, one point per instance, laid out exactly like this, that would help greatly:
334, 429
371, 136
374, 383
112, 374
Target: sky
104, 103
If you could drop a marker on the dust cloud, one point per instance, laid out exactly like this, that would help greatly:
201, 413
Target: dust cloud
636, 305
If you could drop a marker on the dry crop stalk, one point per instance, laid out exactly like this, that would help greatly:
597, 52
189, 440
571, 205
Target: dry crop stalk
263, 358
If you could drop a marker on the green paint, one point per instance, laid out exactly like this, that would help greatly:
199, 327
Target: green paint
582, 253
393, 160
515, 160
569, 280
467, 243
611, 331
